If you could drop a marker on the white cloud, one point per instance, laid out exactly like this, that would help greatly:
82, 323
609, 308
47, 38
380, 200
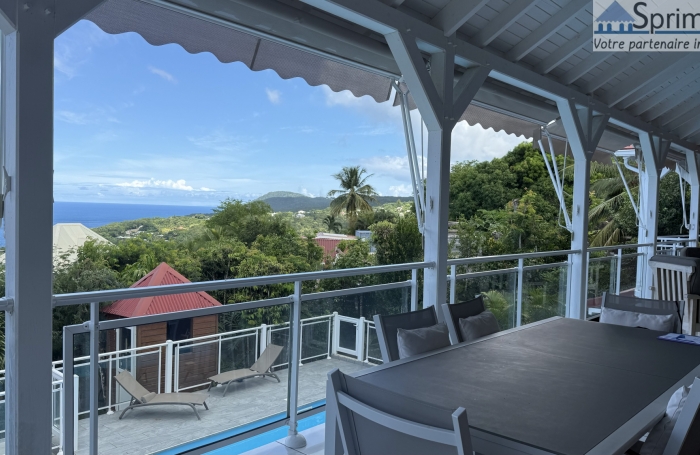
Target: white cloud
394, 166
162, 73
401, 190
166, 184
72, 117
275, 96
306, 193
476, 143
218, 141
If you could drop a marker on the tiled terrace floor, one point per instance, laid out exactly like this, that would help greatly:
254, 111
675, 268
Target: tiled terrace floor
152, 429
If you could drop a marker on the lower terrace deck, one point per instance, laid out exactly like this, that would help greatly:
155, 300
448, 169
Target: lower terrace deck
152, 429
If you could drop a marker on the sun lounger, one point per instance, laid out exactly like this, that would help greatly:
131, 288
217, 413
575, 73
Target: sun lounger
260, 368
142, 397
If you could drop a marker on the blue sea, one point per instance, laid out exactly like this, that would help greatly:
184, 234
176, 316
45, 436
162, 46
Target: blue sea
95, 214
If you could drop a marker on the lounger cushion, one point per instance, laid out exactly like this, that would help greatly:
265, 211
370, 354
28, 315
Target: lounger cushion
478, 326
425, 339
661, 322
659, 435
188, 398
148, 397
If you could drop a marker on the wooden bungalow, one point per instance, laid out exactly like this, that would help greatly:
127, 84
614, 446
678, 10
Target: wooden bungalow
195, 363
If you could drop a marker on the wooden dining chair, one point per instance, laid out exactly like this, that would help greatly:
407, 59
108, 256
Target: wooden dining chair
675, 278
375, 421
387, 328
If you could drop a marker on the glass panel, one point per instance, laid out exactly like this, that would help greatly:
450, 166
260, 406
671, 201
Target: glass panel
544, 293
602, 277
216, 344
347, 337
628, 274
500, 294
330, 330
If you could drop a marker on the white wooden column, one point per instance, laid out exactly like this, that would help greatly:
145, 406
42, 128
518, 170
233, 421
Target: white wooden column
694, 176
654, 150
28, 32
584, 130
440, 103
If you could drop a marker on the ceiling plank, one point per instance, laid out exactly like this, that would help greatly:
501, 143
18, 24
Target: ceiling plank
634, 88
677, 97
557, 57
680, 116
584, 66
455, 14
394, 3
546, 29
612, 71
503, 20
654, 103
691, 127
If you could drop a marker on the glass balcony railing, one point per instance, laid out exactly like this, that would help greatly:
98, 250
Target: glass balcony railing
332, 329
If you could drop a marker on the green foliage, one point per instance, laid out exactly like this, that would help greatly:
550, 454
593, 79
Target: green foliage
354, 195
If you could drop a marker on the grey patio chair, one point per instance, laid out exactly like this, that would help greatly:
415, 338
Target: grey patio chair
373, 420
260, 368
141, 397
453, 313
644, 306
387, 329
685, 431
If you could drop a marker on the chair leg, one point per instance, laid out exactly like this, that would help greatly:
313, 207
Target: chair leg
195, 412
205, 405
275, 376
211, 383
226, 388
124, 412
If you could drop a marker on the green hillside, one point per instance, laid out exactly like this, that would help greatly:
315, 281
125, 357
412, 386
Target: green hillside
279, 194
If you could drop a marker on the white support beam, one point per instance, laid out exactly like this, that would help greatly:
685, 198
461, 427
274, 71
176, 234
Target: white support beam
584, 131
654, 150
547, 29
691, 160
567, 50
584, 66
688, 80
455, 14
500, 23
634, 88
440, 104
28, 147
613, 70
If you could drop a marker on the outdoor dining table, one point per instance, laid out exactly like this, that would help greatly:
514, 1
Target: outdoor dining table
559, 386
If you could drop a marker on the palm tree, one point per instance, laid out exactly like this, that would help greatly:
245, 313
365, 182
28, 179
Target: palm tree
355, 194
332, 224
612, 191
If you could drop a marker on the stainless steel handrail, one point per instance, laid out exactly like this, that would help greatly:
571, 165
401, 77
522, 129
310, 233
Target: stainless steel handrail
510, 257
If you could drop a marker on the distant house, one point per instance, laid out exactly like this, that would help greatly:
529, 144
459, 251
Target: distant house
329, 242
366, 236
146, 368
68, 237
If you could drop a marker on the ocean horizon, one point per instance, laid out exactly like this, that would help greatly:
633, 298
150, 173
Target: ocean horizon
96, 214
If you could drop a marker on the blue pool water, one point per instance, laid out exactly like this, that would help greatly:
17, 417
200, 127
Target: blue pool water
95, 214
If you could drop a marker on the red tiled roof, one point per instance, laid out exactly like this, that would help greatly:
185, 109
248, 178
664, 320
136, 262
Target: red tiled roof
161, 275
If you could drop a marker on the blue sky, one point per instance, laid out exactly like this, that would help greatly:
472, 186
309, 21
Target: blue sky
136, 123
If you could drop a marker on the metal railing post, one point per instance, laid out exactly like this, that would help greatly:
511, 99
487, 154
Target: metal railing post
168, 366
330, 337
414, 289
618, 286
360, 338
62, 416
76, 394
336, 333
294, 440
263, 339
519, 303
94, 374
453, 284
109, 386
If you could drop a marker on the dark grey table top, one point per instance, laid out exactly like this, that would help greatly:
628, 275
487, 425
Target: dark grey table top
562, 386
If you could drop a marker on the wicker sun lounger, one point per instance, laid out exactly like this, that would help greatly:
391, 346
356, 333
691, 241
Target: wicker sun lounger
260, 368
142, 397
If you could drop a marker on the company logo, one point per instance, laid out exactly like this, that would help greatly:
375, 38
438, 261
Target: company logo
646, 25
